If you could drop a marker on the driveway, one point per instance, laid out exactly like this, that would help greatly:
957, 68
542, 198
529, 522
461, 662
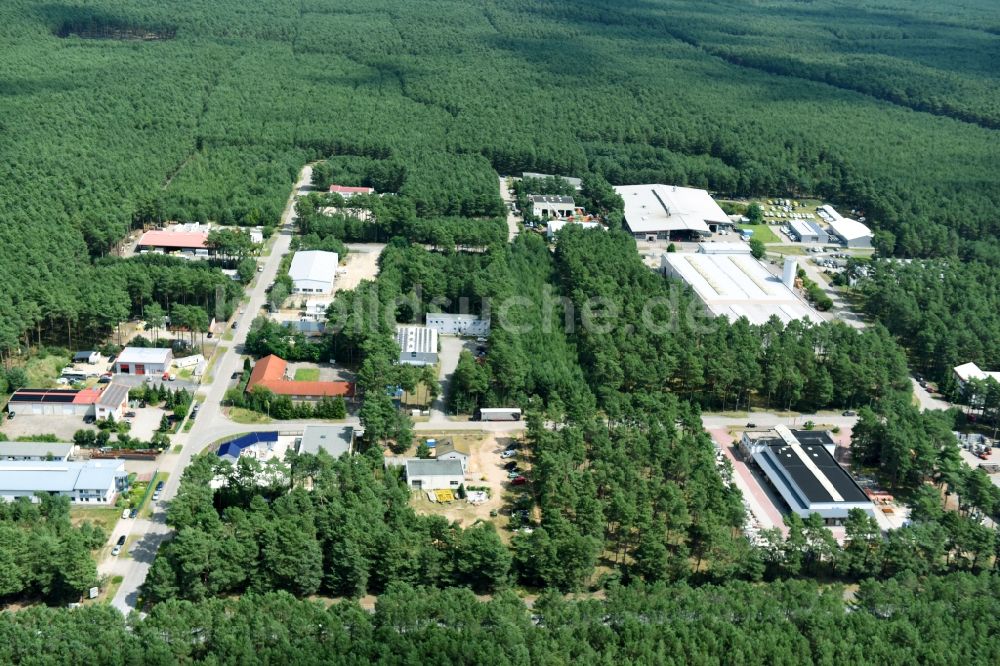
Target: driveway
925, 399
451, 349
508, 198
362, 264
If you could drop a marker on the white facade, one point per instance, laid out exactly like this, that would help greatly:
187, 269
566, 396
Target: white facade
418, 345
313, 272
434, 474
970, 371
90, 482
545, 206
29, 451
458, 324
851, 232
143, 361
113, 402
735, 286
661, 211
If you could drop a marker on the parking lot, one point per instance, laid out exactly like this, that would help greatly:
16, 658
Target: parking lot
24, 425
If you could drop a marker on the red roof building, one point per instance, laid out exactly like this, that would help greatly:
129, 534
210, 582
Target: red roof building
348, 192
269, 372
174, 240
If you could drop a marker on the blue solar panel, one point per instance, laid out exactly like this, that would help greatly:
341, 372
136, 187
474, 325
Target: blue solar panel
235, 446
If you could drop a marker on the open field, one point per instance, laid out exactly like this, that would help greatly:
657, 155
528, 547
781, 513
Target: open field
307, 374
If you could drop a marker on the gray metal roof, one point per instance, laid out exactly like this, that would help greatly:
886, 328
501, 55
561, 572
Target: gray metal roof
551, 198
416, 467
114, 395
25, 449
59, 476
334, 439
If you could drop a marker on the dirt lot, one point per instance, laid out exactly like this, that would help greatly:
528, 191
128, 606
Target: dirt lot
362, 264
485, 469
59, 425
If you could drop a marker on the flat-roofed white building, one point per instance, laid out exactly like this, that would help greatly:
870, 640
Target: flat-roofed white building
546, 206
434, 474
970, 371
670, 212
851, 232
553, 227
313, 272
418, 345
22, 451
144, 361
88, 482
808, 232
737, 285
458, 324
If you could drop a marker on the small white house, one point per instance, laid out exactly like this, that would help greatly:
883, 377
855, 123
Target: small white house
86, 357
446, 449
313, 272
434, 474
144, 361
458, 324
113, 402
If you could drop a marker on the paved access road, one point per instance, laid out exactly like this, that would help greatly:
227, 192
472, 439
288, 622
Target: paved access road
149, 534
769, 420
508, 198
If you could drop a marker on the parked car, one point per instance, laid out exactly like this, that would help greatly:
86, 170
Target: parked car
10, 415
166, 376
511, 466
116, 550
89, 418
210, 334
130, 415
172, 377
481, 339
133, 513
508, 454
121, 540
518, 481
104, 379
511, 475
260, 268
236, 375
849, 412
751, 425
235, 324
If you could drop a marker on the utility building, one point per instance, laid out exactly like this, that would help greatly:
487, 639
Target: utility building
799, 464
418, 345
458, 324
548, 206
671, 213
144, 361
808, 232
313, 272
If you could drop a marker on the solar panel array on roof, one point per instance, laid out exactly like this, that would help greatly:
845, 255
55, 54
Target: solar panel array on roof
44, 395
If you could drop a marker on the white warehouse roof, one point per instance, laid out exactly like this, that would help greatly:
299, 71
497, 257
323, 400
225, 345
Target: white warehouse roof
59, 476
144, 355
849, 229
315, 265
651, 208
737, 285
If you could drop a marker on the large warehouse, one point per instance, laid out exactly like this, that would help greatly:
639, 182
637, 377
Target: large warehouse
670, 212
313, 272
418, 345
851, 232
737, 285
144, 361
800, 466
805, 231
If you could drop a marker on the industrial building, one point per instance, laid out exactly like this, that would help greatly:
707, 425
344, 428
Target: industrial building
113, 402
575, 182
724, 248
670, 212
970, 371
553, 227
22, 451
334, 439
847, 231
347, 192
434, 474
805, 231
313, 272
63, 402
737, 285
799, 464
458, 324
189, 239
548, 206
89, 482
144, 361
418, 345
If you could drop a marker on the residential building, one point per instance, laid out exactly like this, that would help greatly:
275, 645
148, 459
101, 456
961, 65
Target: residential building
418, 345
87, 482
575, 182
113, 402
547, 206
434, 474
447, 449
553, 226
63, 402
737, 285
458, 324
799, 464
22, 451
252, 444
271, 372
805, 231
144, 361
669, 212
86, 357
348, 192
316, 310
334, 439
313, 272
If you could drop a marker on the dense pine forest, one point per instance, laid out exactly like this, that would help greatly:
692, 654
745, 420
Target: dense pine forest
117, 113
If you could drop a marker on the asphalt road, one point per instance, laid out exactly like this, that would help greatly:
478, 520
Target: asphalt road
767, 420
508, 197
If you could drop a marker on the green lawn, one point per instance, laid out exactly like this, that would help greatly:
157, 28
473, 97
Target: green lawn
307, 375
786, 249
105, 516
241, 415
762, 232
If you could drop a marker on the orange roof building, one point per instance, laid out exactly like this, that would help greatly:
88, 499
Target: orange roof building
270, 373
